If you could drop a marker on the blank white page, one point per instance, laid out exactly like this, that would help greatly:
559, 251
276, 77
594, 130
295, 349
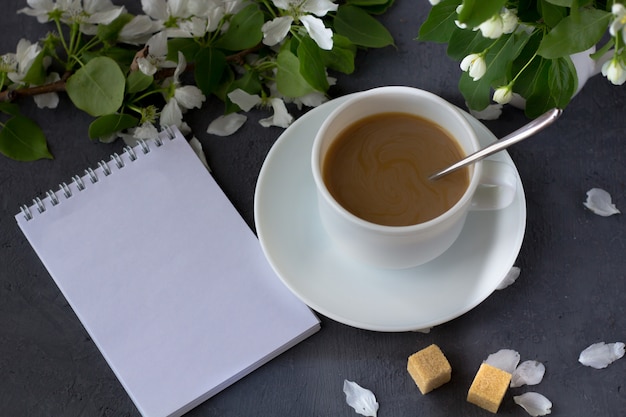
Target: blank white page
166, 277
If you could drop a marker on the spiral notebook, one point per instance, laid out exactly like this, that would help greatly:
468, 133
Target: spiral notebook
166, 277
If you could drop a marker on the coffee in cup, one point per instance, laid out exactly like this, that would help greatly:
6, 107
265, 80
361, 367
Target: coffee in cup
371, 160
378, 168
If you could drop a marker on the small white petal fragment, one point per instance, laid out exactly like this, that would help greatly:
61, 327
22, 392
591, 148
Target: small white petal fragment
491, 112
361, 399
504, 359
226, 125
425, 330
509, 278
599, 202
600, 355
534, 403
528, 373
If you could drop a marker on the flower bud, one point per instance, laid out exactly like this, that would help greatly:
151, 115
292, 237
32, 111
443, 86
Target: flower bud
614, 71
503, 94
475, 65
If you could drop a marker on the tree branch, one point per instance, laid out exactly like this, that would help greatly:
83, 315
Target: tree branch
8, 96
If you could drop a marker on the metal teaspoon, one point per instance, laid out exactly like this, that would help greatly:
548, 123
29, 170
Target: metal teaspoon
520, 134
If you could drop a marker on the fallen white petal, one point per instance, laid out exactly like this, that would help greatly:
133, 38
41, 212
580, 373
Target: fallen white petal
599, 202
491, 112
197, 148
424, 330
226, 125
528, 373
504, 359
600, 355
244, 100
509, 278
534, 403
362, 400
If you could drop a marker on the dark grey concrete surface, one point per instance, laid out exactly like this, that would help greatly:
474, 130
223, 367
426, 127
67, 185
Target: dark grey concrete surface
571, 292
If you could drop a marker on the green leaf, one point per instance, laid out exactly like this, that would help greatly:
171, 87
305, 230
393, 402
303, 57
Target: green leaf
551, 14
540, 99
244, 30
563, 81
366, 2
98, 87
9, 108
477, 94
110, 33
111, 123
562, 3
439, 24
210, 65
372, 6
122, 56
475, 12
311, 64
574, 35
22, 139
36, 74
341, 57
188, 46
361, 28
464, 42
137, 81
289, 81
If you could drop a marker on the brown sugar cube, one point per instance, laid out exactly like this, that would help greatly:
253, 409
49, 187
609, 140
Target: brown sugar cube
489, 386
429, 368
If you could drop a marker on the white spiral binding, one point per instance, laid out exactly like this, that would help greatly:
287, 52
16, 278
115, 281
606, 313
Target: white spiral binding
104, 166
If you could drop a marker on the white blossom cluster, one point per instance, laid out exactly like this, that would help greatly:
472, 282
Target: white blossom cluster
166, 19
507, 22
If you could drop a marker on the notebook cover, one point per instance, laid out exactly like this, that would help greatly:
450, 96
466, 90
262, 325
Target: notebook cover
166, 277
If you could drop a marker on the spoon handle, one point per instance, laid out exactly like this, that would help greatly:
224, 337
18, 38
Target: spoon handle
522, 133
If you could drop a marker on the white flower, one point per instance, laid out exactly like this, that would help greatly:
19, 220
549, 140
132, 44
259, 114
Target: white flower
143, 132
22, 60
614, 71
619, 22
87, 13
503, 94
434, 2
475, 65
458, 22
156, 56
299, 11
138, 30
499, 24
246, 102
492, 28
276, 30
179, 98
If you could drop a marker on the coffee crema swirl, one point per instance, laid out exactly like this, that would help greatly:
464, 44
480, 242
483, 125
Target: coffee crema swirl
378, 169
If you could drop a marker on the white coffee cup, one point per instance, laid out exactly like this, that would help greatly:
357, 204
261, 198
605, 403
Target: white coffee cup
492, 184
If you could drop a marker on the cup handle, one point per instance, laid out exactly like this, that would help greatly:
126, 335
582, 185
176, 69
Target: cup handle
497, 187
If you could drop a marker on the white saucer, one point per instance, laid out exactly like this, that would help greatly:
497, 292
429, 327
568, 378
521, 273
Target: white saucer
295, 244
